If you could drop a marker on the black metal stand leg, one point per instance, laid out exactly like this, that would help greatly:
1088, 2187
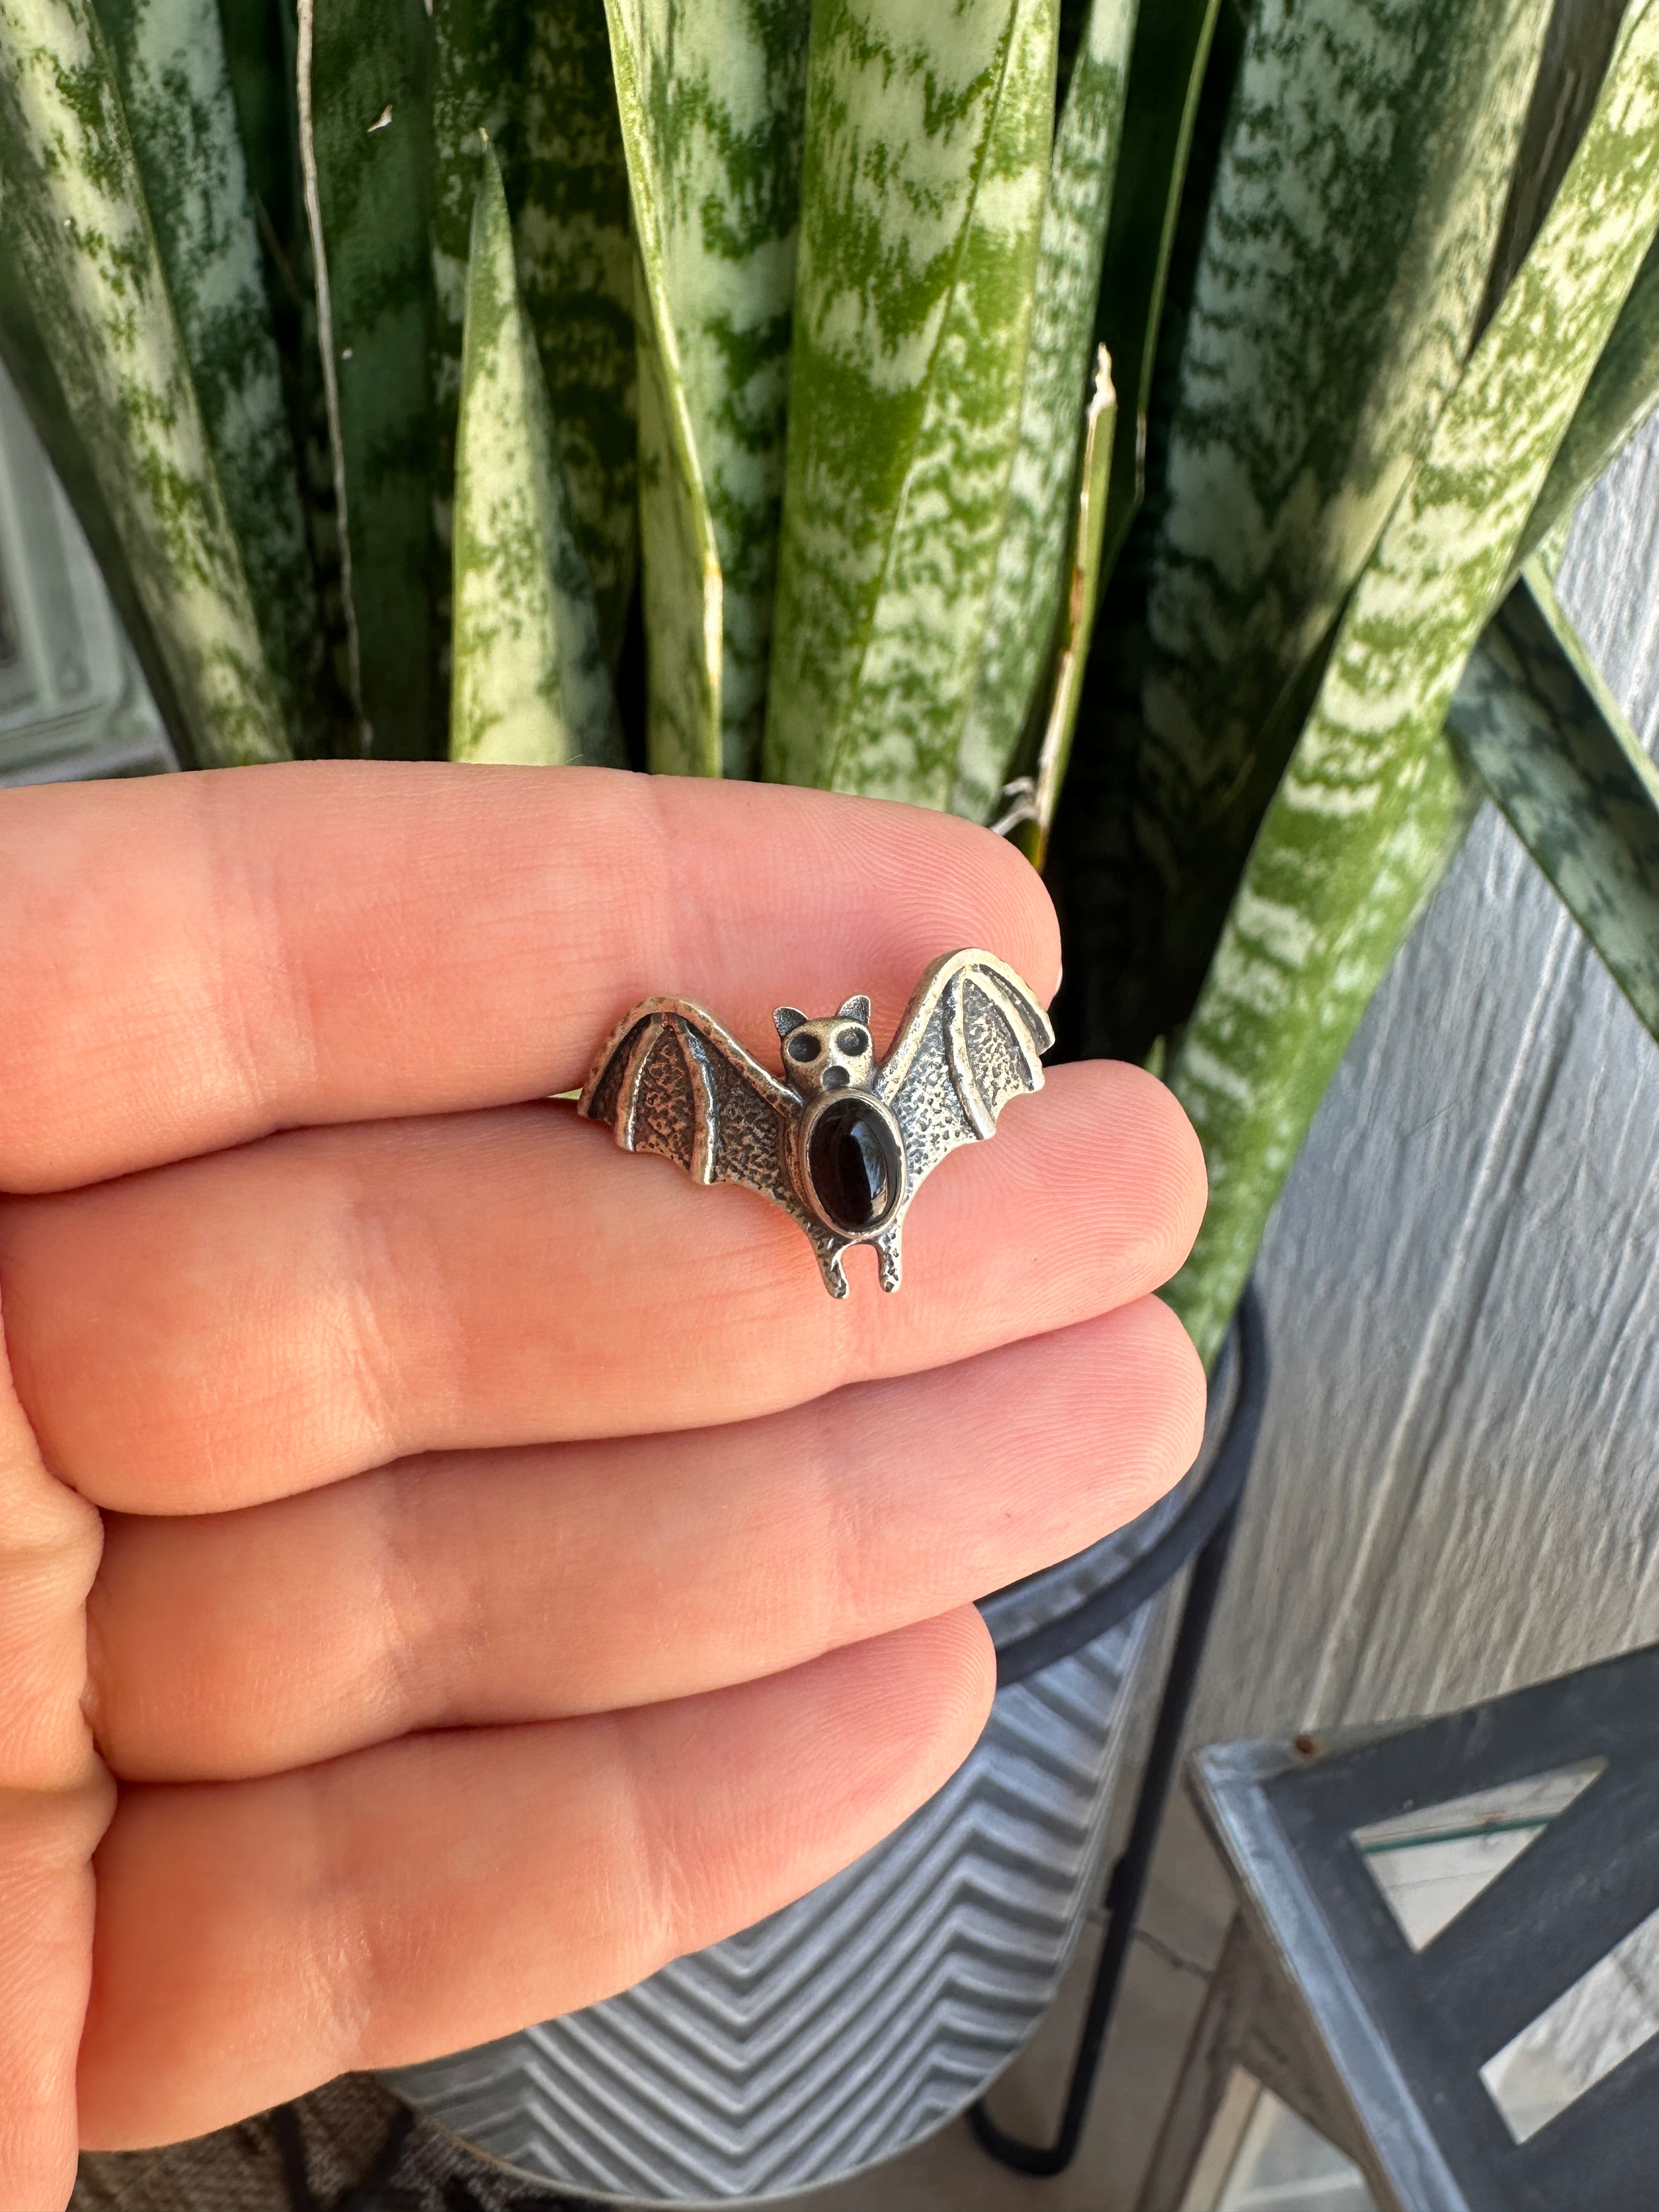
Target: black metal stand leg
1127, 1884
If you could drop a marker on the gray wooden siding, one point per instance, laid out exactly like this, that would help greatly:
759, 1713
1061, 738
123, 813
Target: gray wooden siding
1458, 1483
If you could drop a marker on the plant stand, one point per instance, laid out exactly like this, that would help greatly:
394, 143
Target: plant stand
1205, 1533
1406, 2046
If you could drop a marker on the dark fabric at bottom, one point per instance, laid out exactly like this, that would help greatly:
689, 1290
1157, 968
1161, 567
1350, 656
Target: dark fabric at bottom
350, 2147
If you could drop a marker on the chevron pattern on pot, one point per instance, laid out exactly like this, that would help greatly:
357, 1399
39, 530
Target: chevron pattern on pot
840, 2030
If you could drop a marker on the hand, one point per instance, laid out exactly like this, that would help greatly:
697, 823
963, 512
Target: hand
449, 1567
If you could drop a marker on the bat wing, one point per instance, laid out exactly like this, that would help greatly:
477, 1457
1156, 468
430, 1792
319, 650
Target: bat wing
972, 1038
670, 1080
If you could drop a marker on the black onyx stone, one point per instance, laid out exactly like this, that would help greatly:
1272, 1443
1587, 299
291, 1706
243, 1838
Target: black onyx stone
852, 1157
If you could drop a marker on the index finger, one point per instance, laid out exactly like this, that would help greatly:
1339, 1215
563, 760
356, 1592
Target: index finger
189, 962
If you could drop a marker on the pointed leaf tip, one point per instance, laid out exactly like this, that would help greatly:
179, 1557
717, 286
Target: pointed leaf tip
1535, 722
531, 685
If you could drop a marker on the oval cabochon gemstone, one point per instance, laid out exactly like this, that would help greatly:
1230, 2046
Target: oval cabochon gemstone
852, 1157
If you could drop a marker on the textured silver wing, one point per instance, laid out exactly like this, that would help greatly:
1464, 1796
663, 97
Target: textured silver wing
972, 1038
670, 1080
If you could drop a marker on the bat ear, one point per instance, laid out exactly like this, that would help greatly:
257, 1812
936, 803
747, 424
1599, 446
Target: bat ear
857, 1009
787, 1018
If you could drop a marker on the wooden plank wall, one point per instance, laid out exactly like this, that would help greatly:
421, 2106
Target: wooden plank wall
1457, 1489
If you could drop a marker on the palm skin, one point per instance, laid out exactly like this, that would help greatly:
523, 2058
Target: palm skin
448, 1567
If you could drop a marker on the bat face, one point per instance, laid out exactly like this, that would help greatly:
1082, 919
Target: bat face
834, 1055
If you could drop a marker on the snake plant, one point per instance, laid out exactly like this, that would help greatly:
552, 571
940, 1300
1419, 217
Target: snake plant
1144, 430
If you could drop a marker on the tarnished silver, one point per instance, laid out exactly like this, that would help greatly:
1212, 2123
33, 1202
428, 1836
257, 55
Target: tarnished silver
845, 1142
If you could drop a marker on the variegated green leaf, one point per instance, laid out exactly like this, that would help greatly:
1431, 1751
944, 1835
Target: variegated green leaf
1578, 44
74, 226
364, 71
1296, 968
1535, 721
1167, 67
30, 364
258, 42
477, 62
538, 81
1359, 196
1370, 802
568, 191
1034, 553
1619, 398
1036, 815
530, 682
1183, 67
261, 43
683, 584
170, 64
720, 85
928, 137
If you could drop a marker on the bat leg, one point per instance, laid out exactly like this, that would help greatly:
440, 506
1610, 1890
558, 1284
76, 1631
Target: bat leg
887, 1247
834, 1279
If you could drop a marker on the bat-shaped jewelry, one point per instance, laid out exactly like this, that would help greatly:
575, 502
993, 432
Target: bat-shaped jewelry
843, 1145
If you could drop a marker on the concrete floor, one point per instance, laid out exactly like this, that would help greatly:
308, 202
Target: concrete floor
1178, 1939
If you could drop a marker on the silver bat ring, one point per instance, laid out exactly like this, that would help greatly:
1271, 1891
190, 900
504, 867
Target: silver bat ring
845, 1142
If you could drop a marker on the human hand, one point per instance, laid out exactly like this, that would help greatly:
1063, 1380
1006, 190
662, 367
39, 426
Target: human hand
448, 1567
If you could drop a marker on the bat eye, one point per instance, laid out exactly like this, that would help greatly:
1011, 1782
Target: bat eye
853, 1040
802, 1047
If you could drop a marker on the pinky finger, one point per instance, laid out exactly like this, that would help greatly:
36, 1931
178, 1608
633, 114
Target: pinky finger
257, 1938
